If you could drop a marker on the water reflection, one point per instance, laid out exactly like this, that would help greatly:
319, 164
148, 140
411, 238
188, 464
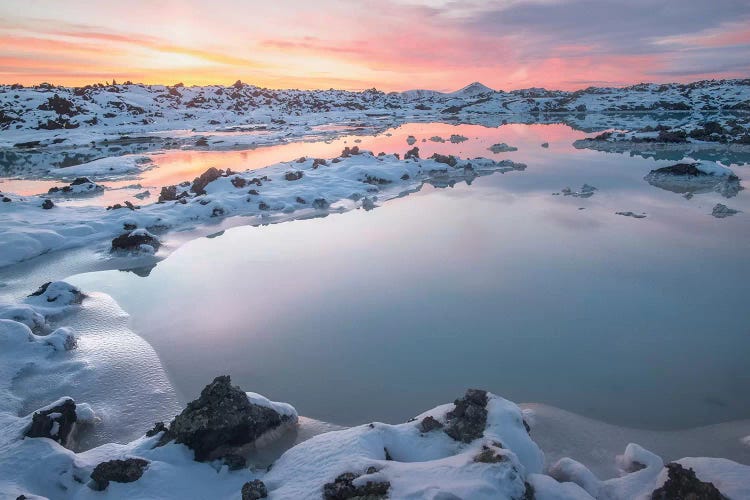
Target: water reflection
499, 285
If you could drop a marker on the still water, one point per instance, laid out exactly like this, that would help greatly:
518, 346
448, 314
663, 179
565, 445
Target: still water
499, 285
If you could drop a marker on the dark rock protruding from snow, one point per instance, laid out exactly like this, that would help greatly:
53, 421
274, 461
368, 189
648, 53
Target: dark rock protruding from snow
134, 240
119, 471
683, 484
466, 422
55, 422
343, 488
200, 183
449, 160
429, 424
47, 204
222, 417
254, 490
412, 153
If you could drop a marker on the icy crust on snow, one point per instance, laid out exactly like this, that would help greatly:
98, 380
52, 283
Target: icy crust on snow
305, 188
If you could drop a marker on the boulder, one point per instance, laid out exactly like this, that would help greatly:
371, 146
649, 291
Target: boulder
412, 153
466, 422
683, 484
200, 183
720, 211
55, 422
135, 240
47, 204
119, 471
222, 417
343, 488
254, 490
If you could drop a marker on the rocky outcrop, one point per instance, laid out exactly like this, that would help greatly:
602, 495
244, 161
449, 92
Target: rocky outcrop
136, 240
58, 293
55, 422
119, 471
220, 419
413, 153
466, 422
47, 204
683, 484
254, 490
343, 488
449, 160
502, 148
695, 178
200, 183
429, 424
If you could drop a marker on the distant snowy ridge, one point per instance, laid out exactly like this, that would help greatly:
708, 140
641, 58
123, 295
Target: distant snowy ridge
48, 115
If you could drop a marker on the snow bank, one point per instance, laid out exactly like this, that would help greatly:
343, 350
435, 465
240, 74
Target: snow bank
284, 191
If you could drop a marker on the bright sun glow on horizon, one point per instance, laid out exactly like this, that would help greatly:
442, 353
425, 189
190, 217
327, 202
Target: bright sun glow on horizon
390, 44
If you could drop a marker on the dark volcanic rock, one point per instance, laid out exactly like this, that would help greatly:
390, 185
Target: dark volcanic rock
168, 193
412, 153
342, 488
119, 471
293, 176
690, 169
134, 239
222, 417
254, 490
682, 484
239, 182
234, 461
47, 204
447, 159
429, 424
54, 423
320, 203
466, 422
200, 183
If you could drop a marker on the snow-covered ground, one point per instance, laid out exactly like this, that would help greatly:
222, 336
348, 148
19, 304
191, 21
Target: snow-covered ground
482, 446
307, 187
63, 343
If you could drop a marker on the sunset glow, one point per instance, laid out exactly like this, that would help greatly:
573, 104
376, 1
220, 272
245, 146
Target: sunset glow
391, 45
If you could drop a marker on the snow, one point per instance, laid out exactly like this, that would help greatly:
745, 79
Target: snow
341, 184
416, 464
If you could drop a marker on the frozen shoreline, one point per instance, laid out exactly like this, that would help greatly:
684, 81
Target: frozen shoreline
421, 459
304, 188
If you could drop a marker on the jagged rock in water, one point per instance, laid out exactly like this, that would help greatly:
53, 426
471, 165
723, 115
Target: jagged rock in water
55, 423
320, 203
119, 471
688, 178
254, 490
466, 422
682, 484
720, 211
342, 488
134, 240
222, 417
47, 204
502, 148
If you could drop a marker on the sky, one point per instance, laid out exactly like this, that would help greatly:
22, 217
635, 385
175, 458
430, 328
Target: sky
387, 44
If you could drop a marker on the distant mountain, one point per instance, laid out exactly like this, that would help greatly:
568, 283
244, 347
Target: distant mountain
472, 90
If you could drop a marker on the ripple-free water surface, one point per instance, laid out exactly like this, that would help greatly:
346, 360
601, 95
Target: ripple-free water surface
500, 285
